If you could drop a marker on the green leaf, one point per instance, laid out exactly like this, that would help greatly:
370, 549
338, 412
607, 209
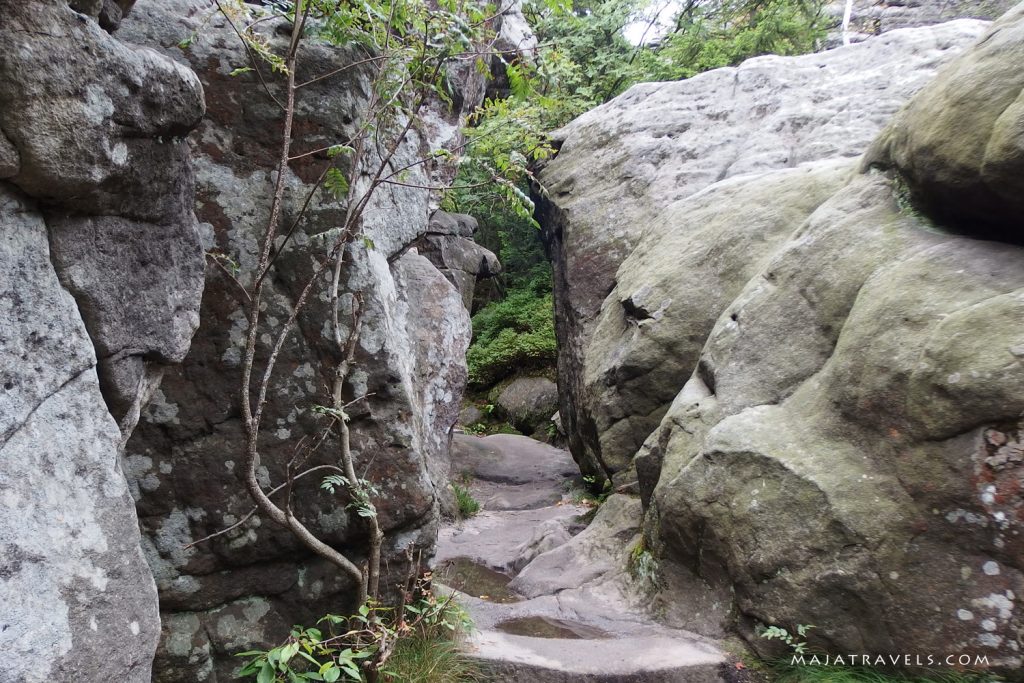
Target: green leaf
332, 674
368, 243
289, 651
250, 668
266, 674
240, 70
335, 150
336, 183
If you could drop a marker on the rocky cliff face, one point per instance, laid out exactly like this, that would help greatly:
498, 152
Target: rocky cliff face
622, 164
875, 17
253, 583
99, 290
817, 362
101, 185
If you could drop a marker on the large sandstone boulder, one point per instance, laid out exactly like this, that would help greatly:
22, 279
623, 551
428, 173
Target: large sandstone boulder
840, 379
527, 403
959, 145
622, 164
848, 454
101, 272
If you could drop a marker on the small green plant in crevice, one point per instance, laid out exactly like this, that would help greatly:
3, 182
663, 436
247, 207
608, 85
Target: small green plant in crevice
551, 431
466, 504
644, 567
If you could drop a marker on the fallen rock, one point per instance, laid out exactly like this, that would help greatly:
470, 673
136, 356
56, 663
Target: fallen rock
527, 403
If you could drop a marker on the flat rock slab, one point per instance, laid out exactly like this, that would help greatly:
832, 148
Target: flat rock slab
511, 459
494, 538
652, 659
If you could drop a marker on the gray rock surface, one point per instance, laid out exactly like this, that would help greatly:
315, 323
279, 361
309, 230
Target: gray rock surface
873, 17
959, 144
448, 246
836, 439
835, 377
100, 142
579, 615
99, 289
78, 597
622, 164
248, 587
527, 403
511, 472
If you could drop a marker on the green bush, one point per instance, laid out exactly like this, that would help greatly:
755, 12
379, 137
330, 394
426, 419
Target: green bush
515, 334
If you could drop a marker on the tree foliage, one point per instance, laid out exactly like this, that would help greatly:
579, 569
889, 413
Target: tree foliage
584, 60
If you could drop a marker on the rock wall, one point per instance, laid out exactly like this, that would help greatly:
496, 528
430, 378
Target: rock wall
102, 271
623, 164
185, 459
874, 17
835, 349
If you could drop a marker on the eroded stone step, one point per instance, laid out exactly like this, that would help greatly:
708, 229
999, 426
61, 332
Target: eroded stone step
648, 659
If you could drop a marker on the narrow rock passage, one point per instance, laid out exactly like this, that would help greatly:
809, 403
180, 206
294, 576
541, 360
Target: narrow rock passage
552, 597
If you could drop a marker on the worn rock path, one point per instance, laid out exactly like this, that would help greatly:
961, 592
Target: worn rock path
551, 597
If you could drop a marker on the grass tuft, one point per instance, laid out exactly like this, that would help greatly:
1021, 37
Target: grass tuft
424, 659
466, 504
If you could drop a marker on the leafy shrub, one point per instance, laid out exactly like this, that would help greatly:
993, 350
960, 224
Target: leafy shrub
377, 643
511, 335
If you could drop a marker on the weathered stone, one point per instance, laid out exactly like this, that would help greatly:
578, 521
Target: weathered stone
834, 456
459, 258
92, 131
959, 143
137, 287
836, 381
470, 415
623, 163
100, 136
9, 161
78, 598
873, 17
861, 466
249, 586
690, 263
527, 403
